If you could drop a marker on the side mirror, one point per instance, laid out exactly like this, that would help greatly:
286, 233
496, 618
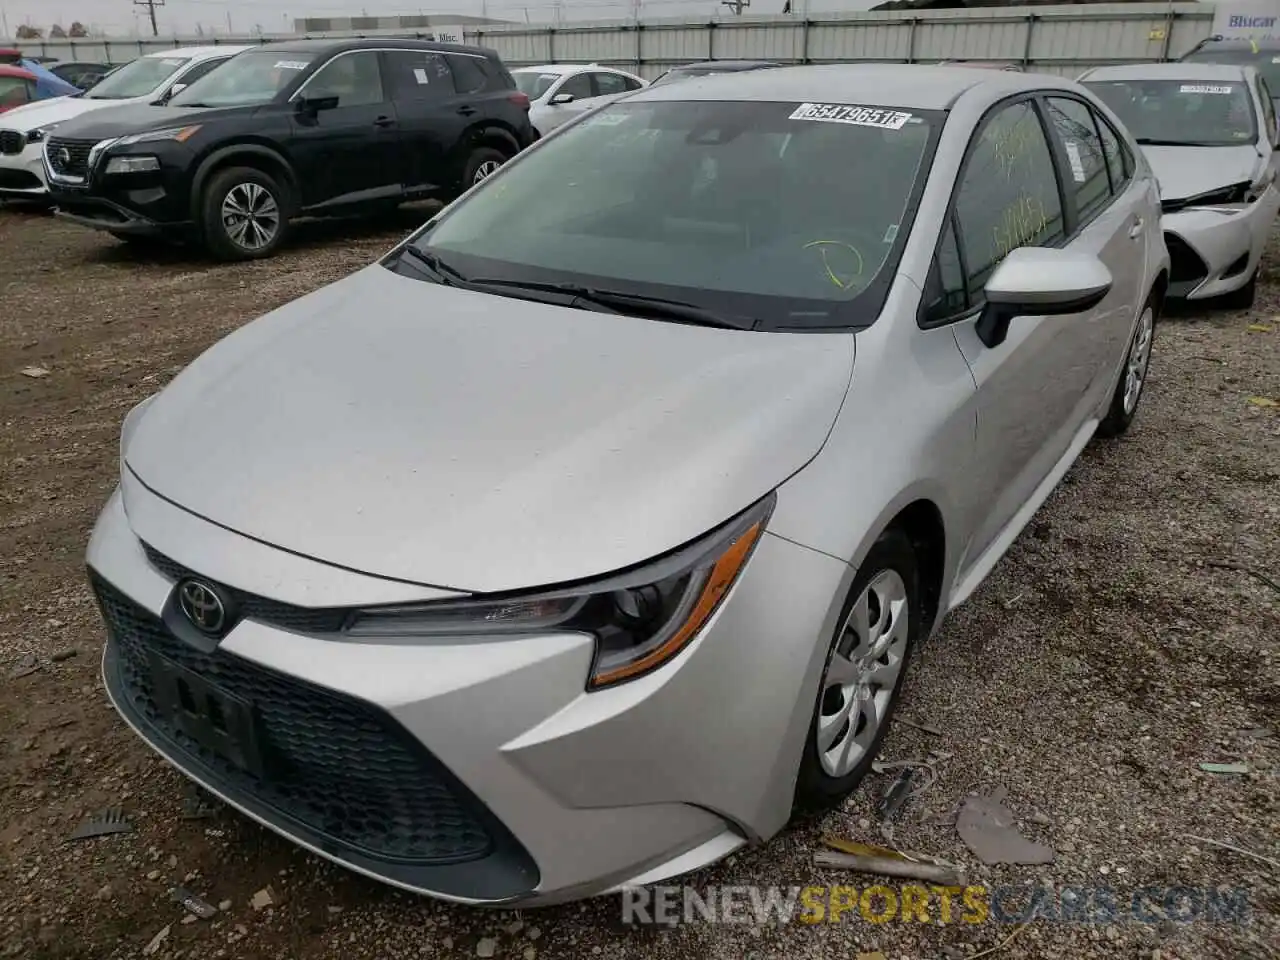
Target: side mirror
560, 98
176, 89
1040, 282
314, 105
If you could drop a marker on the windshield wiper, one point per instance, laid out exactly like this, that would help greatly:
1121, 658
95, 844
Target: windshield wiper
1153, 142
660, 307
447, 274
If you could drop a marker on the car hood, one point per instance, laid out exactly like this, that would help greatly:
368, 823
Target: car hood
1185, 172
44, 113
482, 443
132, 116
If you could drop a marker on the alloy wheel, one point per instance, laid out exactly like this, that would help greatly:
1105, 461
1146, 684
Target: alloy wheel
1135, 376
486, 170
250, 216
862, 674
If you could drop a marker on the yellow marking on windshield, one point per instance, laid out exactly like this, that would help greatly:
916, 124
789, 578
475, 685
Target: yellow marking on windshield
822, 247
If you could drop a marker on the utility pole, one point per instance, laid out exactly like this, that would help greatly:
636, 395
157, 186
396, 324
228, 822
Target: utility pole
736, 5
151, 10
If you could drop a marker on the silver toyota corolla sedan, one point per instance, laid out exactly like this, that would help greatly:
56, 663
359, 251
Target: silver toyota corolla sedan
1209, 132
588, 533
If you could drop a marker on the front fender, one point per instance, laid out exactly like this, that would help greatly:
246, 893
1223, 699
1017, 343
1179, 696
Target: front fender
215, 158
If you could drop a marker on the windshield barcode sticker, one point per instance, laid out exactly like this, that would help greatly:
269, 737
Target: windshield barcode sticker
1203, 88
857, 116
290, 65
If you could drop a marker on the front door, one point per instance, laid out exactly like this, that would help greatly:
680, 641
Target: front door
350, 152
581, 89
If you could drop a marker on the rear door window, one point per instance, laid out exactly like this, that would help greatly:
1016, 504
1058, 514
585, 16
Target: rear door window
418, 75
610, 83
579, 87
467, 75
1086, 174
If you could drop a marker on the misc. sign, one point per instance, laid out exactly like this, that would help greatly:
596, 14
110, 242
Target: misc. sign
1245, 19
447, 35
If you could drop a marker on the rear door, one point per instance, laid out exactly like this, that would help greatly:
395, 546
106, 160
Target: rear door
1111, 221
433, 115
351, 153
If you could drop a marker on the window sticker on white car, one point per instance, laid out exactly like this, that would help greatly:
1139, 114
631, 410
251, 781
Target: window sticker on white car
1077, 164
858, 116
290, 65
1203, 88
1275, 59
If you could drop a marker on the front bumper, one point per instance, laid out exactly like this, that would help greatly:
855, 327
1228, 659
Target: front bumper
22, 174
1215, 250
477, 771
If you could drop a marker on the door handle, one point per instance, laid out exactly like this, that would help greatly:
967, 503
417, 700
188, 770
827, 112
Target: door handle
1135, 231
466, 111
384, 122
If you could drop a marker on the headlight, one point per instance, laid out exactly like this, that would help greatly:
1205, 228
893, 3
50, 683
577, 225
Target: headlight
132, 164
39, 133
640, 620
177, 134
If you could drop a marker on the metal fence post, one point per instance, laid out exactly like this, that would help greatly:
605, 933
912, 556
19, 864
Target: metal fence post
804, 41
551, 44
1168, 34
639, 46
711, 39
1026, 50
911, 39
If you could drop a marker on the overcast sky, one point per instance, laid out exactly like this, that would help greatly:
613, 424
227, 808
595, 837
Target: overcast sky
122, 17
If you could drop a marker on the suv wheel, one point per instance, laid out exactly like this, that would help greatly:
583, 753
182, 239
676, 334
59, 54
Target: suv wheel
243, 214
482, 164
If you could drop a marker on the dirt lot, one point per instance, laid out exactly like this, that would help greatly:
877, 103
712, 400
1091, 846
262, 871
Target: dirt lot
1132, 634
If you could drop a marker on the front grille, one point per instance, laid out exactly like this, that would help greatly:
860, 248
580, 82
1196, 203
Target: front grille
19, 180
340, 768
1185, 265
253, 607
12, 142
70, 158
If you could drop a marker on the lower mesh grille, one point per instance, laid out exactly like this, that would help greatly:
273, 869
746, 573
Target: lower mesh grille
1185, 265
341, 768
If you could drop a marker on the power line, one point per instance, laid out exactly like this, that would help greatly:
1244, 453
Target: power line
151, 11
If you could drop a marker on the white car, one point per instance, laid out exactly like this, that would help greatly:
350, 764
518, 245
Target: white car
151, 78
1209, 131
560, 92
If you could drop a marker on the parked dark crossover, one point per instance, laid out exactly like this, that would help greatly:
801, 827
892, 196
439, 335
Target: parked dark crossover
288, 130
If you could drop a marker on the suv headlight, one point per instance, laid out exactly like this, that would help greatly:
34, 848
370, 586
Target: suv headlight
640, 620
177, 134
39, 133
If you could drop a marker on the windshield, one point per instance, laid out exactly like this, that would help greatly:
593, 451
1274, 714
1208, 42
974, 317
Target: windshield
533, 84
255, 76
1190, 112
784, 212
137, 79
1266, 62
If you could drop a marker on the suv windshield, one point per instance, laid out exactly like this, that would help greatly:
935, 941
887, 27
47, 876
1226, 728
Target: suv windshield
785, 213
137, 79
534, 84
1266, 62
252, 77
1200, 113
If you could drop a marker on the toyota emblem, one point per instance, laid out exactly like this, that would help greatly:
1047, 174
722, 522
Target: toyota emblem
64, 157
202, 606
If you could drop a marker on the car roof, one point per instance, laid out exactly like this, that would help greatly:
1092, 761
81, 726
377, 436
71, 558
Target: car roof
564, 68
1178, 70
379, 43
897, 85
198, 53
10, 70
1239, 43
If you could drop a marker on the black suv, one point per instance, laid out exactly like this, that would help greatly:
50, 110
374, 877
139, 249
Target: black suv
286, 130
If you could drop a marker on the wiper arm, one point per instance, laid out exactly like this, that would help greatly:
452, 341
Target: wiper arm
677, 310
446, 273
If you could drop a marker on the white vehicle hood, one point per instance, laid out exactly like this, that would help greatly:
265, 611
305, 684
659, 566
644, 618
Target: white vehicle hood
1190, 171
46, 112
481, 443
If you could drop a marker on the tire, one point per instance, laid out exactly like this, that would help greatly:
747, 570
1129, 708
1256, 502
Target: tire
483, 162
888, 576
1243, 298
243, 188
1133, 375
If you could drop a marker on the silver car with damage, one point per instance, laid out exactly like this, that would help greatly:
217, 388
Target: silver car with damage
586, 535
1209, 132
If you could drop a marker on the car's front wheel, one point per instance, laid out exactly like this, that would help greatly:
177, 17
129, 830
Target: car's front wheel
243, 214
863, 674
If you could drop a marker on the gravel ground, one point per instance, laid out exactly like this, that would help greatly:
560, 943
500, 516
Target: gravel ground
1130, 635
